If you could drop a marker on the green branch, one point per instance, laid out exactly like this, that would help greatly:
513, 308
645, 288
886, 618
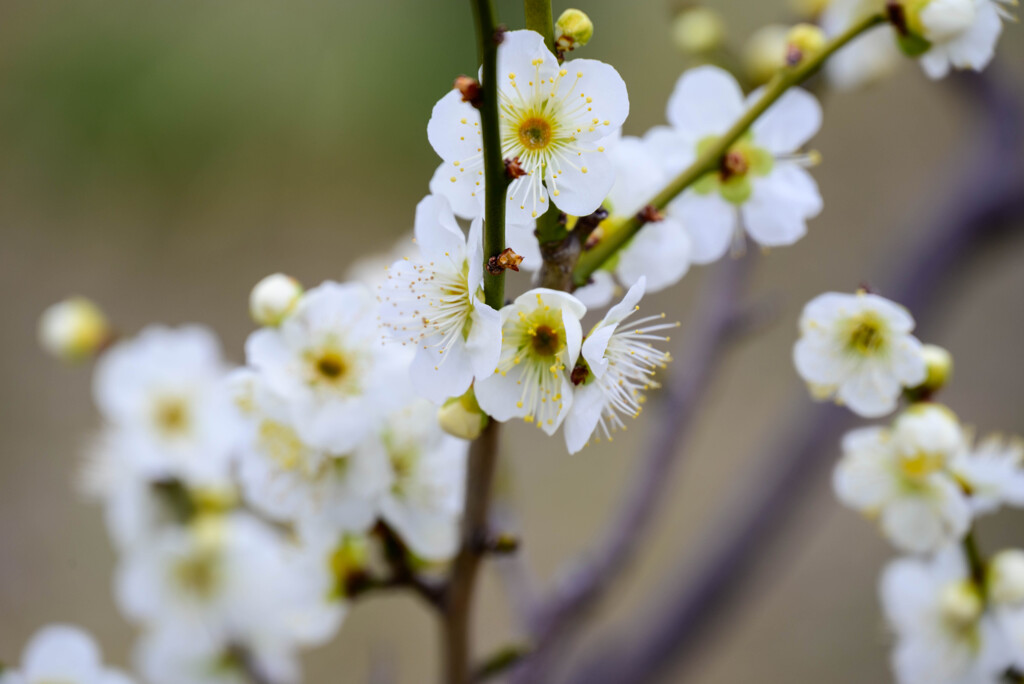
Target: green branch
711, 158
495, 180
539, 19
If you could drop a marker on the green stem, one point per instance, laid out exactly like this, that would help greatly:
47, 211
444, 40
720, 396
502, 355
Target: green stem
974, 559
711, 158
540, 19
495, 180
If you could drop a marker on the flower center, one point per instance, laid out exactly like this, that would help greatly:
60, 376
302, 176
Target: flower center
171, 416
198, 574
734, 163
921, 464
545, 341
866, 336
331, 366
535, 133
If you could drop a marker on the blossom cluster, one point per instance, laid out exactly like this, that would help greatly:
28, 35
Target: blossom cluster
957, 617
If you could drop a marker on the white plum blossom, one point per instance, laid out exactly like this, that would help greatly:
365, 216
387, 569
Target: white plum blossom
869, 58
944, 633
887, 475
292, 481
554, 120
761, 185
163, 397
62, 654
423, 501
435, 303
859, 349
326, 363
660, 252
962, 33
541, 342
993, 473
618, 364
224, 585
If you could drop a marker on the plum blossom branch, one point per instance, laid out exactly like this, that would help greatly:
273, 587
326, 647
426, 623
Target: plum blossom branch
539, 18
980, 208
709, 159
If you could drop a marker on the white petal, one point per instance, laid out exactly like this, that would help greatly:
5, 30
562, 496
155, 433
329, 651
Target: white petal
598, 291
594, 347
431, 535
674, 150
871, 392
484, 341
789, 123
710, 222
706, 101
815, 361
935, 63
464, 191
601, 82
517, 53
588, 403
523, 242
770, 220
61, 653
454, 129
661, 251
438, 376
475, 255
638, 176
437, 233
976, 47
578, 184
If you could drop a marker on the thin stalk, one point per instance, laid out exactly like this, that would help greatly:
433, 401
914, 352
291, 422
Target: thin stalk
539, 19
495, 181
710, 160
975, 560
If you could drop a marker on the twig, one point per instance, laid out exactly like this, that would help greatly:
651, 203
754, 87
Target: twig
711, 327
500, 662
976, 211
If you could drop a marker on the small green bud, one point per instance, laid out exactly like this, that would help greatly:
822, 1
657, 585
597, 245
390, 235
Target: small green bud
74, 330
804, 42
698, 30
765, 52
572, 30
1006, 577
462, 416
348, 563
940, 367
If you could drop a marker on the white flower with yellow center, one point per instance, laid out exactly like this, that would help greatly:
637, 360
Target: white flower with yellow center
858, 349
435, 304
324, 362
423, 500
900, 476
62, 654
553, 120
163, 397
618, 364
944, 633
289, 480
962, 33
761, 186
541, 343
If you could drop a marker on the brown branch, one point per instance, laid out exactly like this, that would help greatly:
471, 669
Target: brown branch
711, 328
979, 208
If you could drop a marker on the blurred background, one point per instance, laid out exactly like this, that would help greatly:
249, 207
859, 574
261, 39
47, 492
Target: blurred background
161, 157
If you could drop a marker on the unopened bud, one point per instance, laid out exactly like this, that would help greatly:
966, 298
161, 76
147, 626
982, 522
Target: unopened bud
804, 42
1006, 577
274, 298
765, 52
348, 564
809, 8
961, 604
698, 30
73, 330
572, 30
939, 363
508, 260
462, 416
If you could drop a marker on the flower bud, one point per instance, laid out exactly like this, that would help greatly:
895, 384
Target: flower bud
572, 30
698, 30
765, 52
809, 8
274, 298
1006, 577
73, 330
804, 42
939, 363
462, 417
961, 604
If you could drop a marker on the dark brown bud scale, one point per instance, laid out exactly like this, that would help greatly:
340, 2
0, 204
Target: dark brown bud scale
507, 260
651, 214
579, 374
513, 169
470, 90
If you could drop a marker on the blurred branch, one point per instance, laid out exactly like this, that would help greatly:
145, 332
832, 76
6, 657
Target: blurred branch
980, 207
711, 328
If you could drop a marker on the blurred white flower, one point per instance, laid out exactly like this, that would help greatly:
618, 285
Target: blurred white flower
919, 506
541, 343
1005, 578
62, 654
435, 303
618, 364
553, 120
869, 58
993, 473
944, 634
324, 361
166, 406
761, 185
423, 502
858, 349
963, 33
